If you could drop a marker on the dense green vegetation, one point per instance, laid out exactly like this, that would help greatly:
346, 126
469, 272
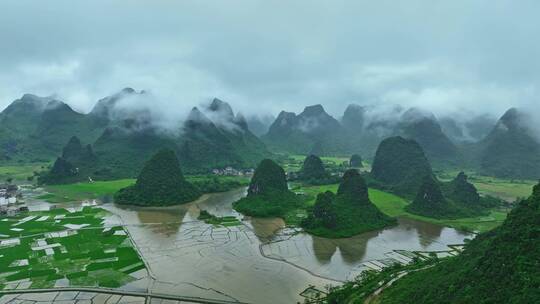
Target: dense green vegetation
213, 184
332, 164
268, 177
268, 193
460, 190
501, 266
205, 145
313, 172
35, 129
311, 132
75, 164
400, 166
510, 151
348, 213
430, 202
62, 171
505, 258
312, 168
160, 183
509, 190
455, 199
427, 132
225, 221
368, 282
272, 203
465, 194
393, 206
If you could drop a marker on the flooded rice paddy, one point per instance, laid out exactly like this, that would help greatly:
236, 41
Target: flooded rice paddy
259, 261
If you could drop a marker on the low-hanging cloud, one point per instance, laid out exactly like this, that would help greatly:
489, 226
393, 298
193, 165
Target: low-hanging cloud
455, 58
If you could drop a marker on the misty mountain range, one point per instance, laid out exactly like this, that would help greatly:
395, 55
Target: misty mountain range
35, 129
504, 148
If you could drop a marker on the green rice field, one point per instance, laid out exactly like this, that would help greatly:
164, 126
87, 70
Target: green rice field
67, 247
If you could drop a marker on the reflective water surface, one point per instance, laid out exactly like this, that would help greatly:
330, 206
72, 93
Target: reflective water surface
257, 261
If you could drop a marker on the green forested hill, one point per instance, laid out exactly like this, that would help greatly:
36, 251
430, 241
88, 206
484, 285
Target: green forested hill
401, 165
313, 130
313, 170
498, 267
268, 193
36, 129
501, 266
204, 144
347, 213
511, 150
160, 183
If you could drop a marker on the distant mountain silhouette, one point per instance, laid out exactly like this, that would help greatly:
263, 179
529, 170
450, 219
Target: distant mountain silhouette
300, 133
510, 150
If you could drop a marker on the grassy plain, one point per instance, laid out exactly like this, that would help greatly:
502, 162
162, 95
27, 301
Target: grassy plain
97, 189
506, 189
20, 172
84, 190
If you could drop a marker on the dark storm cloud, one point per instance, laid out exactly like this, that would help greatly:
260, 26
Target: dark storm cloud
445, 56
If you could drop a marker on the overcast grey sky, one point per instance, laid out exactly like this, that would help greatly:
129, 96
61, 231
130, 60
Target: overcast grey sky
273, 55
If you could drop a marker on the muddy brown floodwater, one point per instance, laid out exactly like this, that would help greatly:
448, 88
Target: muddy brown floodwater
258, 261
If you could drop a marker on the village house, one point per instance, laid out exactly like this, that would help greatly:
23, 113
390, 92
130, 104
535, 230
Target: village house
230, 171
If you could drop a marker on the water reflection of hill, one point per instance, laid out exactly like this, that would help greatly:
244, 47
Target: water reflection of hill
427, 232
265, 228
352, 250
323, 249
165, 221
